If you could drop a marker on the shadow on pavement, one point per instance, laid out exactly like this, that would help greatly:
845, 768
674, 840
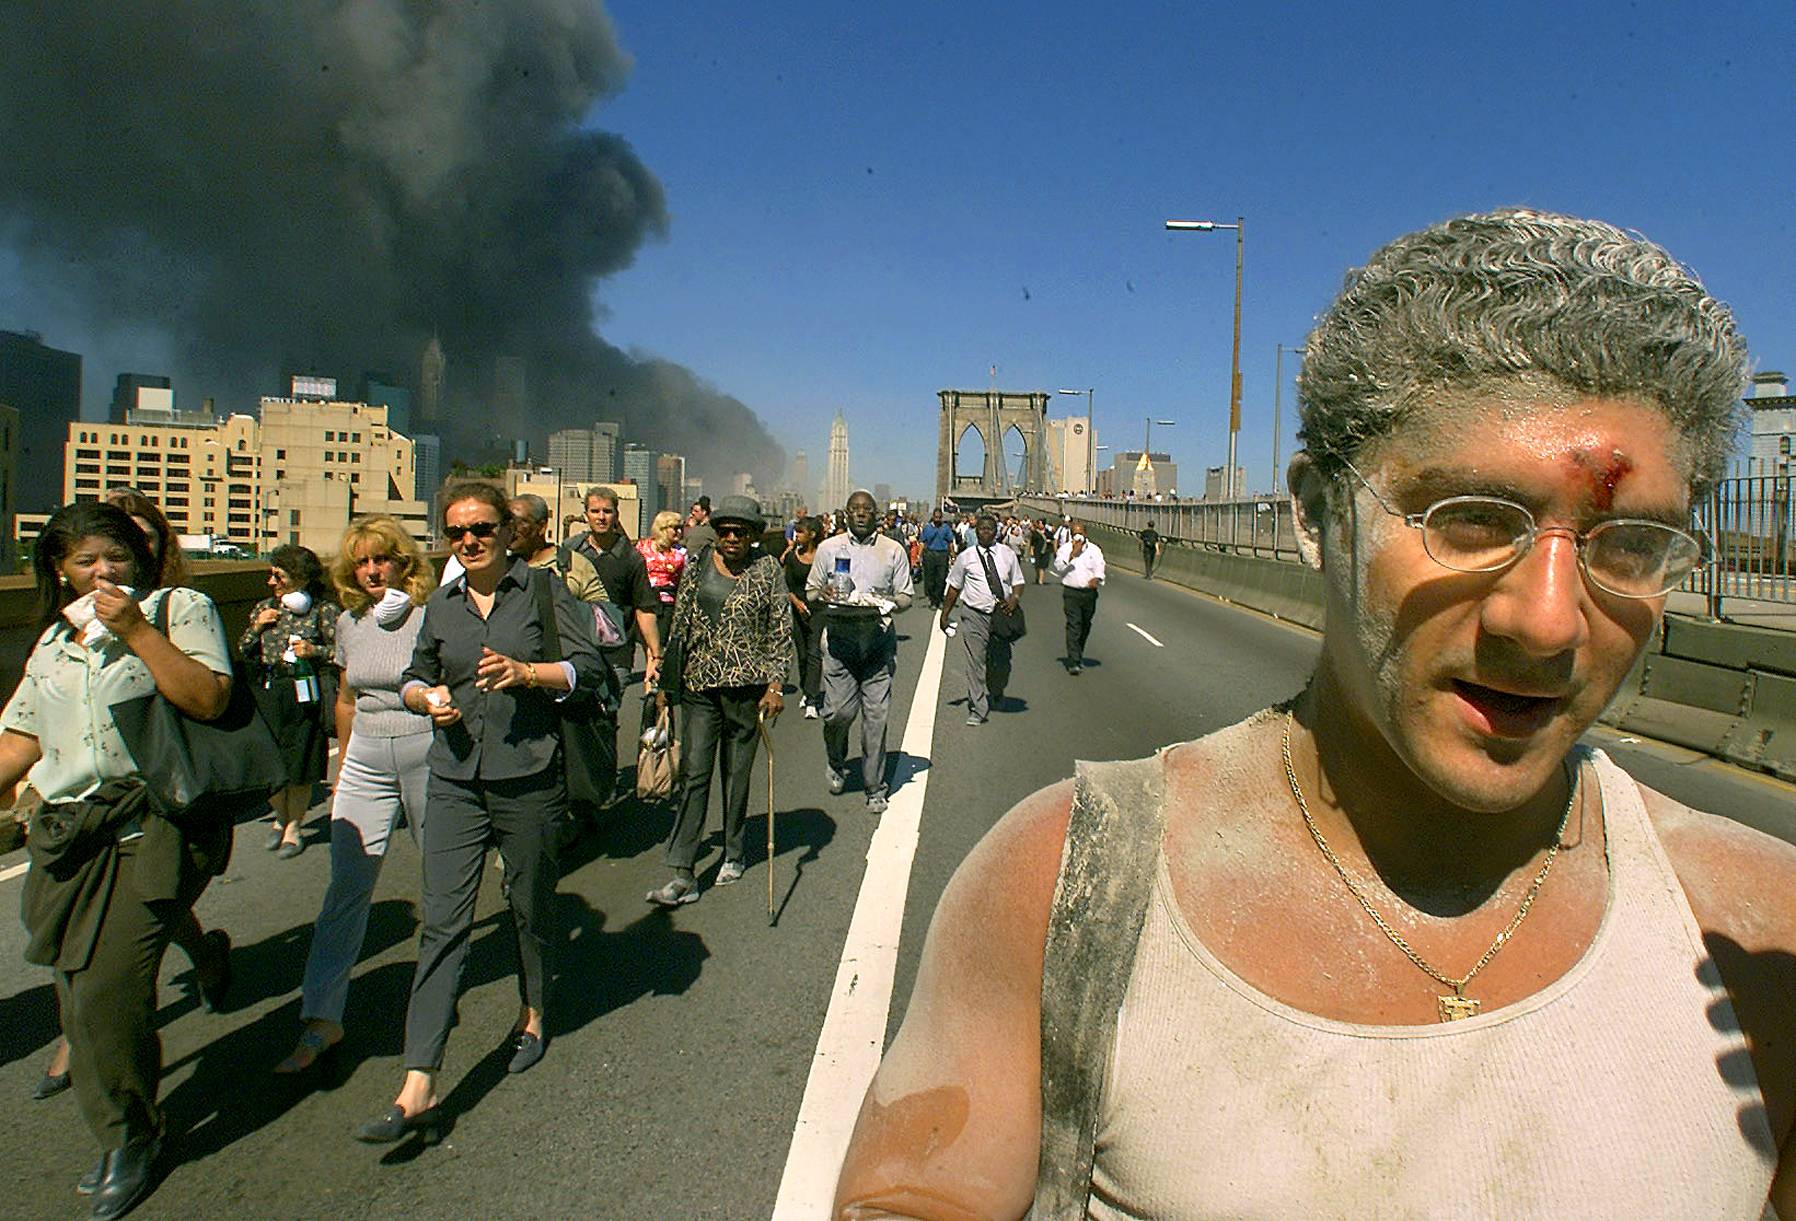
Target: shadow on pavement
28, 1022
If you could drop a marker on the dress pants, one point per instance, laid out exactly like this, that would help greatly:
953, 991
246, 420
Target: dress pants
718, 720
858, 682
988, 661
379, 778
807, 639
1081, 605
520, 816
109, 1006
935, 575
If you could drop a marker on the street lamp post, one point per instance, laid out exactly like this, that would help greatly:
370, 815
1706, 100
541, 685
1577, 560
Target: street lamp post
1091, 433
1278, 380
1240, 228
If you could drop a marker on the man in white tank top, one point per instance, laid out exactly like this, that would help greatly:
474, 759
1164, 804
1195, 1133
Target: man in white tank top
1400, 947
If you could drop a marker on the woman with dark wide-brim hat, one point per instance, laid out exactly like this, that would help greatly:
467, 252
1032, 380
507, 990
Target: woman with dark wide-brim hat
732, 618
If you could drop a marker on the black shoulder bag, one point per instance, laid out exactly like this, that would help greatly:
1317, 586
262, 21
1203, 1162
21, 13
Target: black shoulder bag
195, 768
588, 718
1006, 624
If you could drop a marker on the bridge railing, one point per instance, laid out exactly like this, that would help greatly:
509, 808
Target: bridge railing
1258, 525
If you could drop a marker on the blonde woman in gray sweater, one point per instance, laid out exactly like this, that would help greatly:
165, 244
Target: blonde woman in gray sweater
383, 579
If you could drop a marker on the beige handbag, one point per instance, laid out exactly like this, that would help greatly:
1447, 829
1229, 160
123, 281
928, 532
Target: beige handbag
658, 760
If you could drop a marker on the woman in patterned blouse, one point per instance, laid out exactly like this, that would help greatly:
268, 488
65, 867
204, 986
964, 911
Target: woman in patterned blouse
732, 616
299, 620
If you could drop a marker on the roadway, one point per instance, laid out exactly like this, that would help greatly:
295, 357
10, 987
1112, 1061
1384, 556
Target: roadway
682, 1042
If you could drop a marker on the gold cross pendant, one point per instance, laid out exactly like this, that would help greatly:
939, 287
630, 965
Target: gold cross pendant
1456, 1008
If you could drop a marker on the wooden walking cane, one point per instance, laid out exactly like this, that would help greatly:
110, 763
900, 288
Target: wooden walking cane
767, 741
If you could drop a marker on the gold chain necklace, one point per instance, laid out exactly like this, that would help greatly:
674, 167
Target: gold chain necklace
1458, 1005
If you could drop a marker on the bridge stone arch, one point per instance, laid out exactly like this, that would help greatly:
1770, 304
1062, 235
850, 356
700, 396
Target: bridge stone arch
991, 413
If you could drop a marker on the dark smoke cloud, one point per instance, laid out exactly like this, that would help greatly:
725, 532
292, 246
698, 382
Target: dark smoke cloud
324, 184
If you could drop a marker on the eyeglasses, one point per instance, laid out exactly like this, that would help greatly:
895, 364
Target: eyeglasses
732, 532
479, 529
1629, 557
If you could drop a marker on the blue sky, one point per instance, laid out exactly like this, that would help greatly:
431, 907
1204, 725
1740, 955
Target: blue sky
874, 202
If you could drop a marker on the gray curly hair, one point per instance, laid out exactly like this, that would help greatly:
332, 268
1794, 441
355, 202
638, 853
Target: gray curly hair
1514, 296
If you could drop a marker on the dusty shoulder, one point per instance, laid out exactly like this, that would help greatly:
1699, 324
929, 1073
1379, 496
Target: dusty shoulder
1741, 882
1004, 889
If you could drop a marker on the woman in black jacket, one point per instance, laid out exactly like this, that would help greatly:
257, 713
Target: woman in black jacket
484, 672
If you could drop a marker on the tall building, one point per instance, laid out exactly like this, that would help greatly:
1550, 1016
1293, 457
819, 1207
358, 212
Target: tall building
800, 481
607, 450
431, 371
639, 469
510, 394
44, 386
882, 495
836, 485
670, 476
1216, 485
1118, 479
208, 480
141, 392
324, 462
427, 461
1072, 451
381, 390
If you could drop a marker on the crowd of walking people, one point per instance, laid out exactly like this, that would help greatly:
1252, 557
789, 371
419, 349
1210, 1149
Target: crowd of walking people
476, 708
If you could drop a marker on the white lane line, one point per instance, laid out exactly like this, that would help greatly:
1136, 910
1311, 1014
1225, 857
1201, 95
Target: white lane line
854, 1030
1146, 637
7, 875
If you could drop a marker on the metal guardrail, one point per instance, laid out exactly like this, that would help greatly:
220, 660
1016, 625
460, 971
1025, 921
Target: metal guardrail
1259, 525
1750, 520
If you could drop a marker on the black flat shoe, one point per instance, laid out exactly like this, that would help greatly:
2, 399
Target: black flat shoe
215, 984
127, 1175
528, 1049
396, 1125
49, 1085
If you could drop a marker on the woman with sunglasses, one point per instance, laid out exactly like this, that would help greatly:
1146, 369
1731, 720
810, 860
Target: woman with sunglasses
482, 671
733, 616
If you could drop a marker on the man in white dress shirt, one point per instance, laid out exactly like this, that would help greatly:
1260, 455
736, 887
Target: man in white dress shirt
1079, 563
970, 585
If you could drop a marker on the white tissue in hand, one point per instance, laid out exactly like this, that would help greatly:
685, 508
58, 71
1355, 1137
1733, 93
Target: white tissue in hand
86, 620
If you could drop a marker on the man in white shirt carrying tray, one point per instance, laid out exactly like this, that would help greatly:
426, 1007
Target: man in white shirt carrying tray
1079, 563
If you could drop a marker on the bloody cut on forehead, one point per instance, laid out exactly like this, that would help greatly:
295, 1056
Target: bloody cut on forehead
1604, 474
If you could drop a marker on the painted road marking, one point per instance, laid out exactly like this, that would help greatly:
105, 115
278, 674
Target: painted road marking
1139, 632
854, 1030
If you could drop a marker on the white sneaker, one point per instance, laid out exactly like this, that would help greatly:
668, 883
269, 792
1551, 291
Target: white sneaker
728, 872
811, 711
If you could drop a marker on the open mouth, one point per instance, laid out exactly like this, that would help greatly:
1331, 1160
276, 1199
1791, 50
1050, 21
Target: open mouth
1505, 714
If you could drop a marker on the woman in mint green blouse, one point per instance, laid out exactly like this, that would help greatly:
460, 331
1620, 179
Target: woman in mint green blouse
102, 918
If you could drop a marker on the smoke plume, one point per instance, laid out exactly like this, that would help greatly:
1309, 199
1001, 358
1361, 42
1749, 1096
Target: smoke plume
324, 184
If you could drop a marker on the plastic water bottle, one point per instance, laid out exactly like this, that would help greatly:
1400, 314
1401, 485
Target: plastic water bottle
841, 584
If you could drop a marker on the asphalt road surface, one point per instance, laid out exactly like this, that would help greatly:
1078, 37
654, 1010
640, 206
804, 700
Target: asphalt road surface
682, 1043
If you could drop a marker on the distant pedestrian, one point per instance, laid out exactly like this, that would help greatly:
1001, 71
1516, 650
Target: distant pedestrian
939, 547
1080, 566
699, 533
807, 626
986, 580
1150, 550
288, 648
1041, 551
734, 622
860, 645
383, 579
664, 557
